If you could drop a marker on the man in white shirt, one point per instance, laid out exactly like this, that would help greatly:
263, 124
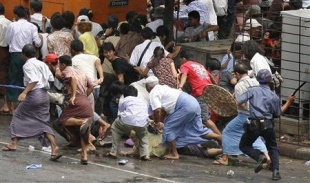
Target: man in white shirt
252, 52
192, 5
4, 58
158, 19
147, 35
90, 65
183, 123
19, 34
32, 117
133, 115
37, 17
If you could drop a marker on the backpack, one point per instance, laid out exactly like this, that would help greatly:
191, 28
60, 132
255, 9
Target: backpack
220, 7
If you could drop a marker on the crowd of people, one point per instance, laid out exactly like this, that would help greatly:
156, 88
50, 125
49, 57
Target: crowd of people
123, 78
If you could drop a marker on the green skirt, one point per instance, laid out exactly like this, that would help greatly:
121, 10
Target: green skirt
15, 76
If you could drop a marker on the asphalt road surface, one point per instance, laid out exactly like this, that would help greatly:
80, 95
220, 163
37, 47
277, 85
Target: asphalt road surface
102, 169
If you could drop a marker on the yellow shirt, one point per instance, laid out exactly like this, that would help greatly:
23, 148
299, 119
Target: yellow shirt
90, 44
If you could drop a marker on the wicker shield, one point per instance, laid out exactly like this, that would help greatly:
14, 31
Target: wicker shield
220, 100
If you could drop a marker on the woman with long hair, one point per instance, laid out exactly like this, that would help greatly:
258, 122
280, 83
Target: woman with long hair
163, 68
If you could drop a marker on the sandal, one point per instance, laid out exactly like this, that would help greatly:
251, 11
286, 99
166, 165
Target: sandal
55, 157
8, 148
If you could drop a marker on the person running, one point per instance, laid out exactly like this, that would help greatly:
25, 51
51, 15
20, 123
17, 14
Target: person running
32, 117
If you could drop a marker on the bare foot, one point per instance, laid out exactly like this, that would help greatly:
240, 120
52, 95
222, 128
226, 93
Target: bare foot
220, 161
171, 156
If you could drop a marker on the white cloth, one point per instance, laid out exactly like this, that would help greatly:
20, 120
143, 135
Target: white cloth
164, 97
44, 50
137, 51
134, 111
87, 63
197, 6
211, 10
155, 24
305, 3
230, 65
243, 37
37, 71
21, 33
241, 87
37, 18
4, 23
257, 63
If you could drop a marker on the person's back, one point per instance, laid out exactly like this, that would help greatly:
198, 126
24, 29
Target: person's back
198, 76
86, 63
37, 17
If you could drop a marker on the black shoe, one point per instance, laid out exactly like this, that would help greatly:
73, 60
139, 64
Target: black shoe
261, 160
276, 175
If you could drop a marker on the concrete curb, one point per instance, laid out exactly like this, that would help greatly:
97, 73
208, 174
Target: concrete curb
294, 151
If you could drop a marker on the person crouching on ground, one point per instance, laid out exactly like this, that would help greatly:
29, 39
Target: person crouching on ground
183, 123
133, 115
264, 105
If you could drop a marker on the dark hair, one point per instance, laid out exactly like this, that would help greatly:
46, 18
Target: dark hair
20, 11
188, 1
158, 54
147, 33
236, 46
188, 55
194, 14
141, 19
108, 46
250, 48
130, 16
124, 28
65, 59
213, 64
116, 87
162, 31
130, 91
112, 21
77, 45
135, 27
241, 68
36, 5
88, 12
29, 51
2, 9
57, 21
69, 18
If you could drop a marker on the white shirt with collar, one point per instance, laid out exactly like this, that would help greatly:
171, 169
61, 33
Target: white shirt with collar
137, 51
211, 10
134, 111
198, 6
155, 24
257, 63
37, 71
306, 3
21, 33
164, 97
37, 18
4, 23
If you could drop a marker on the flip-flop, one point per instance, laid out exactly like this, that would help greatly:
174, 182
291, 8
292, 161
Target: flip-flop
5, 113
8, 148
84, 162
55, 157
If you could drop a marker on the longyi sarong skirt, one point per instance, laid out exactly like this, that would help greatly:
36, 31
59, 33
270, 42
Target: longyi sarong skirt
15, 76
4, 67
32, 117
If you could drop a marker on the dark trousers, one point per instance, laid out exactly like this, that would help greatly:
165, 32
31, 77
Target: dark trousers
225, 24
249, 137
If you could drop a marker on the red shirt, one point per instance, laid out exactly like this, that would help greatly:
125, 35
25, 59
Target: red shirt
197, 76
